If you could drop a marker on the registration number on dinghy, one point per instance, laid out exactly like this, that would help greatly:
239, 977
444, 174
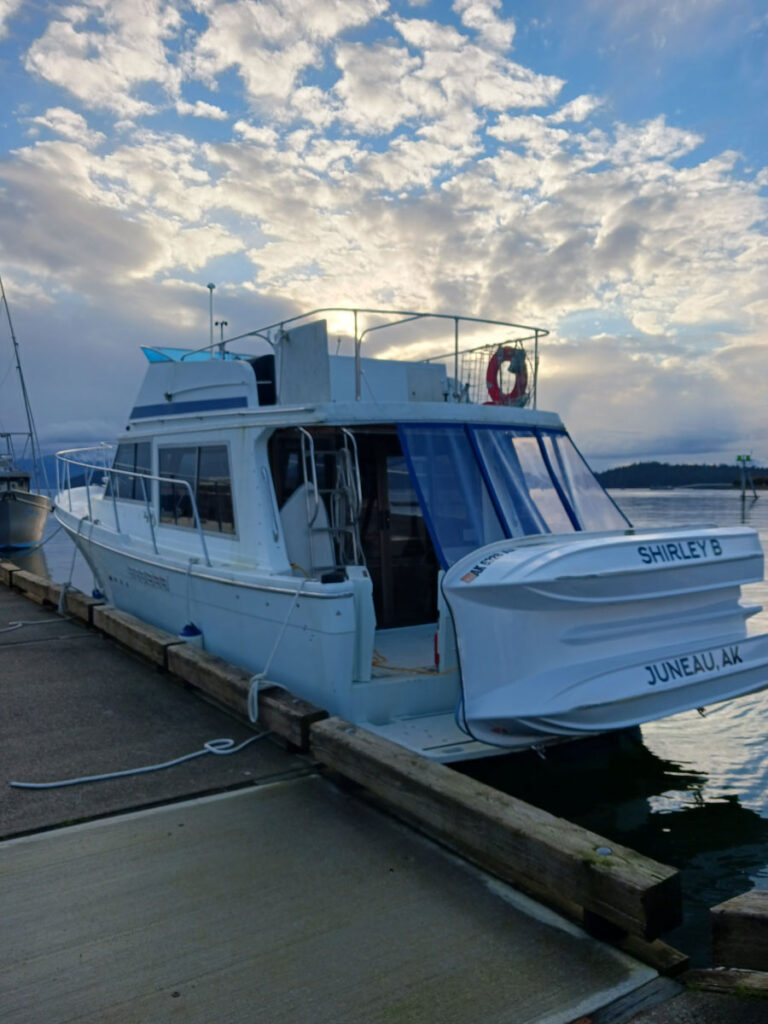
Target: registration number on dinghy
688, 665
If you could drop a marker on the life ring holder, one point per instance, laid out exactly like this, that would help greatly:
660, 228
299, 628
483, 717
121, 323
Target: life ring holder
517, 364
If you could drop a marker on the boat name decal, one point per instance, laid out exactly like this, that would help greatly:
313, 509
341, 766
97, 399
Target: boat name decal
481, 566
692, 664
149, 579
680, 551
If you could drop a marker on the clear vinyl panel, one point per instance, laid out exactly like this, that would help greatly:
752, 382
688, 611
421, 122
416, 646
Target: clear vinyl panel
454, 496
593, 507
522, 484
479, 484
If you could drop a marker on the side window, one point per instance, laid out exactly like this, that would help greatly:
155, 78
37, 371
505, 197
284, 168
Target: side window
142, 489
132, 458
214, 490
175, 501
206, 469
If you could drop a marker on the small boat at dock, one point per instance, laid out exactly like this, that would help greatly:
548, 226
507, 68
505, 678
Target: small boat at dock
411, 545
23, 511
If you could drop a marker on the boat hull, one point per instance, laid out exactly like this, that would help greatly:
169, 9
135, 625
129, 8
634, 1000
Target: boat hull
579, 635
22, 518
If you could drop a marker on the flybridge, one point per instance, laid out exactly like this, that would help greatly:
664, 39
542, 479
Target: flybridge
297, 367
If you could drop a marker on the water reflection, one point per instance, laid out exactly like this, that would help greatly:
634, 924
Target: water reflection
31, 561
55, 558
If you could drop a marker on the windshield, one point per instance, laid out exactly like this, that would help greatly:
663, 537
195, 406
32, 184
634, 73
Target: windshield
478, 484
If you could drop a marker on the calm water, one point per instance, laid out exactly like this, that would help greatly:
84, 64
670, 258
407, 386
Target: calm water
690, 791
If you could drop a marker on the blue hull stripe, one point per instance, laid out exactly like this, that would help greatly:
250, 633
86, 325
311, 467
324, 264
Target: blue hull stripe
178, 408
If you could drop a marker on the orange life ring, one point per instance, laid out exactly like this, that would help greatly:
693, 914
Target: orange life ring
516, 359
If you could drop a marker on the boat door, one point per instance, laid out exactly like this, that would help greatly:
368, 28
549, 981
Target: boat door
398, 550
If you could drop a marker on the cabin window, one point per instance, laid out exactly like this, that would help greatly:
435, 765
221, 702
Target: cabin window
206, 469
455, 498
521, 481
478, 484
594, 508
131, 458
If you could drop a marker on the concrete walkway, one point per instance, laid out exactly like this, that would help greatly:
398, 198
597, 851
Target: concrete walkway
75, 703
289, 902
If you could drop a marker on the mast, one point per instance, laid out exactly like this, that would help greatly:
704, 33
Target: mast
34, 443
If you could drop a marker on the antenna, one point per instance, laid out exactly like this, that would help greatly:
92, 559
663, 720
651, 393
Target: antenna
221, 324
210, 288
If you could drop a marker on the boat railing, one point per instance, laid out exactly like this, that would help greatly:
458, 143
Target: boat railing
97, 464
272, 333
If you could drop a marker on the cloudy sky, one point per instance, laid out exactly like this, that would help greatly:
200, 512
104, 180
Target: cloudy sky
597, 167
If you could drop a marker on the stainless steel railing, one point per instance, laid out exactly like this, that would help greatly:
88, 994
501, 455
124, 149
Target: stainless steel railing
107, 479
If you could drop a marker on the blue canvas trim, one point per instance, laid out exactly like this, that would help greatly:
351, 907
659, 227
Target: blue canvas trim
569, 509
179, 408
420, 495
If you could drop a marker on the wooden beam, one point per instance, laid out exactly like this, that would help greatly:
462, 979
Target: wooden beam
80, 605
729, 982
149, 641
280, 712
7, 569
31, 585
554, 861
740, 931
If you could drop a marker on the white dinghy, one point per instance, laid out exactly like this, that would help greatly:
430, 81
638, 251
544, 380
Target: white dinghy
411, 545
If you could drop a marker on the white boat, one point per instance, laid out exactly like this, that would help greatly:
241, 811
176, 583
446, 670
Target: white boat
23, 512
411, 545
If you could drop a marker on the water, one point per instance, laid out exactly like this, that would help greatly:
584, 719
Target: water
689, 791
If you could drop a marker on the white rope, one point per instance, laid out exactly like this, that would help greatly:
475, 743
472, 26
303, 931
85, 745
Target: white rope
62, 606
219, 746
260, 680
17, 625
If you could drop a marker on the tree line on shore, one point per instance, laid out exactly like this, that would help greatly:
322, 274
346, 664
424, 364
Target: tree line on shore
664, 474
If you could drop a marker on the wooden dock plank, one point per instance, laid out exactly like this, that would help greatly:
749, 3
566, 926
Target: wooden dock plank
280, 712
740, 931
149, 641
549, 858
32, 586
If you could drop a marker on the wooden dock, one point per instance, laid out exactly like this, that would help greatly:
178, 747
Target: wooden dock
320, 874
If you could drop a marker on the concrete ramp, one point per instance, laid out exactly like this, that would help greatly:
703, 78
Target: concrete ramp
287, 902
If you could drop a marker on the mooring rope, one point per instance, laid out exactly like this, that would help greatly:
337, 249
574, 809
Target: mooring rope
219, 746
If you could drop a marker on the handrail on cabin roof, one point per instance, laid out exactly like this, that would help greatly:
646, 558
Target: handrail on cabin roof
405, 316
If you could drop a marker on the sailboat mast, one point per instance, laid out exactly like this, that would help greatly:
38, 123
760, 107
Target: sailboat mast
35, 444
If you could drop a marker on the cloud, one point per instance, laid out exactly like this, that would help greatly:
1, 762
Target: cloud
482, 17
201, 109
272, 43
7, 10
104, 66
362, 156
576, 110
70, 125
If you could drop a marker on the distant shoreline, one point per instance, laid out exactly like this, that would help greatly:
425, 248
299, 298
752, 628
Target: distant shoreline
666, 476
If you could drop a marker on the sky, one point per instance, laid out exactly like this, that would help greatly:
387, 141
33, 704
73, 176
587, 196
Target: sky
598, 168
